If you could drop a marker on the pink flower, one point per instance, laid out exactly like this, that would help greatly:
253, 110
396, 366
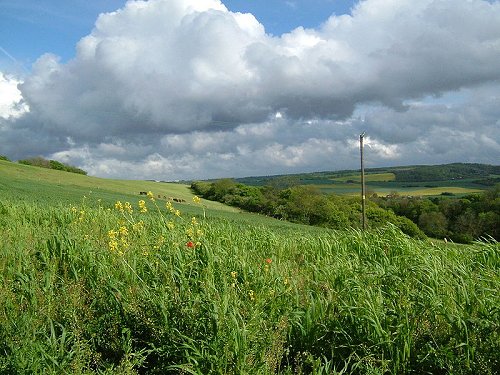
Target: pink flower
269, 260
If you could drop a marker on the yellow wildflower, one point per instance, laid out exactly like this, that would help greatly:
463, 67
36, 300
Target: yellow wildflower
234, 274
251, 294
196, 199
159, 242
119, 206
170, 225
142, 206
193, 221
151, 196
128, 207
138, 226
177, 213
123, 231
169, 206
113, 245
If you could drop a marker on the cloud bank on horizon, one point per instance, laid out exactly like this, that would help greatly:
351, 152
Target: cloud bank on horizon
181, 89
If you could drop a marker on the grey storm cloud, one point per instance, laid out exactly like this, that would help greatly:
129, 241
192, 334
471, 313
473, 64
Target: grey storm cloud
170, 83
180, 65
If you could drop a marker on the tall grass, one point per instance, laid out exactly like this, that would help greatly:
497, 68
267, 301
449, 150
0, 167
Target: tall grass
177, 295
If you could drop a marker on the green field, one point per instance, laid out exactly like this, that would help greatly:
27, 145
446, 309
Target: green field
401, 189
89, 286
458, 179
369, 177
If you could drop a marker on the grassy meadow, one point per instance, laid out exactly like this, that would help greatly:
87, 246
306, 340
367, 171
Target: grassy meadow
117, 283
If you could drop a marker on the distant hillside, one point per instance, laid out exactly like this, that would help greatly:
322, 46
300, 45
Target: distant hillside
444, 172
413, 173
415, 180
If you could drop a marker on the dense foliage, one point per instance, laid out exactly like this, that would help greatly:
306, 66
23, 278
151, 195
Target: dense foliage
302, 204
51, 164
460, 219
141, 289
5, 158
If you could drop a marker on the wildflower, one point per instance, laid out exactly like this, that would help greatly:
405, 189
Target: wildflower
137, 227
196, 199
199, 232
119, 206
190, 244
113, 245
177, 213
193, 221
251, 295
234, 274
169, 206
159, 243
128, 207
269, 260
170, 225
142, 206
150, 196
123, 231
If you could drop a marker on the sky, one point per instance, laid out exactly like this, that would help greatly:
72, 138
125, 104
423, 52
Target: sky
196, 89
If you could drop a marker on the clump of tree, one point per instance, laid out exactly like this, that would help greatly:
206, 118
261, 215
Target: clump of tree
5, 158
51, 164
302, 204
463, 219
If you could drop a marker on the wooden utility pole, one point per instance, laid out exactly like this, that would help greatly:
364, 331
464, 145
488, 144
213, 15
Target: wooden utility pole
363, 192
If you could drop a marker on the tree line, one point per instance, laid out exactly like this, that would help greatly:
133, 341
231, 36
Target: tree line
302, 204
49, 164
463, 219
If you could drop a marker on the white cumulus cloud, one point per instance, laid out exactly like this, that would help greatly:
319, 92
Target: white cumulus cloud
187, 88
11, 101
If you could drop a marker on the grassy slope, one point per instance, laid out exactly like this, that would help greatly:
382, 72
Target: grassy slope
247, 300
274, 298
42, 184
34, 184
